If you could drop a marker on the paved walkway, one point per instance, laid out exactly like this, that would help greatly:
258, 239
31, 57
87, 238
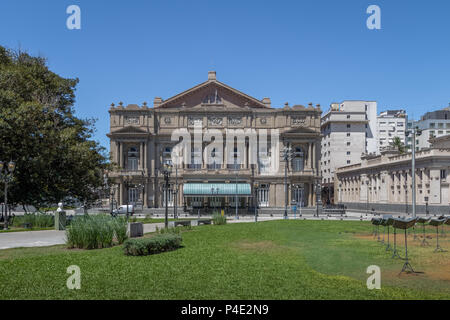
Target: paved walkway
52, 237
31, 239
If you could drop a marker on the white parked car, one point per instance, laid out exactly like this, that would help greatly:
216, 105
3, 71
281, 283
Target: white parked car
123, 210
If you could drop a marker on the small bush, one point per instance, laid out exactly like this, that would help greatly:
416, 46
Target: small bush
219, 219
95, 232
146, 246
120, 227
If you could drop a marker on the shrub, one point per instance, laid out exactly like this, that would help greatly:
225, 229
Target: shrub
146, 246
120, 226
37, 220
94, 232
219, 219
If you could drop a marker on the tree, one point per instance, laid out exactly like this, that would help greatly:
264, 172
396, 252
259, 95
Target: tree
398, 144
53, 149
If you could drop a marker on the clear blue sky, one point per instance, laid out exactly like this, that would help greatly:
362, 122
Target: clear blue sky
291, 51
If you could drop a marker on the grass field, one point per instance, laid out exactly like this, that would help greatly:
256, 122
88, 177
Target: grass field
268, 260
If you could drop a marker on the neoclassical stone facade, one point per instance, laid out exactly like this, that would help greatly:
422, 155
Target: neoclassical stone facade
384, 182
141, 144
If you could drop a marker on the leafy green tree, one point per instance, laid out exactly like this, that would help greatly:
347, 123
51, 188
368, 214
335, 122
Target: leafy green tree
54, 152
398, 144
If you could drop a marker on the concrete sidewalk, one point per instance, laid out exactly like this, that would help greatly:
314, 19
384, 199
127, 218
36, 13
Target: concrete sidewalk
31, 239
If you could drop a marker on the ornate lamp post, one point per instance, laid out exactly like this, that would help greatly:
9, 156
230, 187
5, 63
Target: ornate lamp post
127, 182
166, 171
287, 156
6, 175
318, 196
214, 191
236, 189
175, 193
415, 131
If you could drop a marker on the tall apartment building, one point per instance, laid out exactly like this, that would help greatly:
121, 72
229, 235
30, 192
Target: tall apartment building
390, 124
349, 129
433, 124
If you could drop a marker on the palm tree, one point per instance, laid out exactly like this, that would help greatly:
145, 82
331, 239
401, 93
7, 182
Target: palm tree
398, 144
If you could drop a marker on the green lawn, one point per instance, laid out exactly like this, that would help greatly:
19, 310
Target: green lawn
268, 260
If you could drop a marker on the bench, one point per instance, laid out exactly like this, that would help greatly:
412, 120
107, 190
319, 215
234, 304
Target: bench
179, 223
204, 221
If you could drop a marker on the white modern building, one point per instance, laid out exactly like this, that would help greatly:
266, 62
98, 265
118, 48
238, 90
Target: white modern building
390, 124
349, 129
433, 124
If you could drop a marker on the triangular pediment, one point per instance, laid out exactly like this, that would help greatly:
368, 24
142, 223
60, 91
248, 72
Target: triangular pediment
299, 130
130, 129
212, 93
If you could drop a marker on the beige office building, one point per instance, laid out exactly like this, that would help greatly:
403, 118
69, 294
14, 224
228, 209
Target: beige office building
384, 182
141, 144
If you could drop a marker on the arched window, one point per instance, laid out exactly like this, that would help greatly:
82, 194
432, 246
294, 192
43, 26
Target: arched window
167, 156
298, 160
132, 163
212, 160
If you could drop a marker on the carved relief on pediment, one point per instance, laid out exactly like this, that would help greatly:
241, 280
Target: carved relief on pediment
193, 121
132, 120
215, 121
298, 121
234, 121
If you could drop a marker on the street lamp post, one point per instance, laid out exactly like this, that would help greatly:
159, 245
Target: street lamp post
236, 189
166, 171
127, 182
287, 156
175, 199
214, 191
415, 131
367, 197
256, 187
109, 190
318, 196
6, 175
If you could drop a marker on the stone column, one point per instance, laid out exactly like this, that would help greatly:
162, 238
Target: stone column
224, 155
121, 190
383, 196
313, 156
121, 154
245, 155
435, 186
364, 188
141, 156
310, 164
145, 166
118, 153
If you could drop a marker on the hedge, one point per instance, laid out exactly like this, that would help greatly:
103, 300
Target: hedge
157, 244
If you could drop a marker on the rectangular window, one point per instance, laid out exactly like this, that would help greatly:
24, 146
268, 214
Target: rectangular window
263, 195
443, 174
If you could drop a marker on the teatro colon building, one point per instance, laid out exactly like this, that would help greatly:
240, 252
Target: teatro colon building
142, 148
